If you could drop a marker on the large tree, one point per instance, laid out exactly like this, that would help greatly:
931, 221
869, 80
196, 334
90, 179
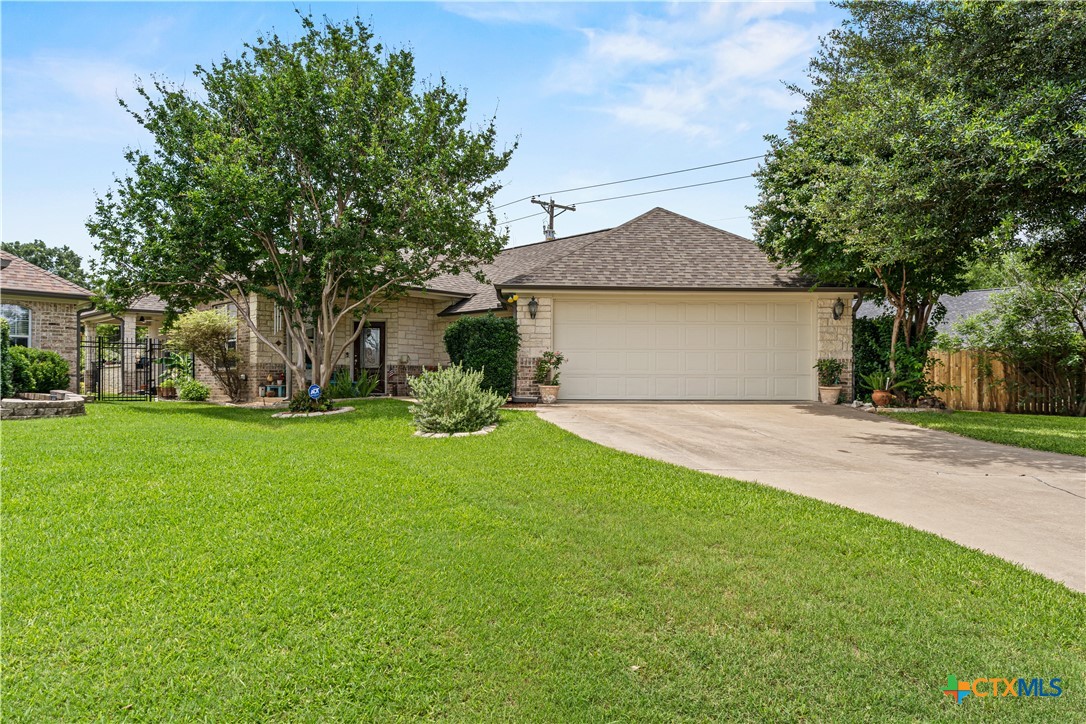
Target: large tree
896, 173
319, 174
61, 260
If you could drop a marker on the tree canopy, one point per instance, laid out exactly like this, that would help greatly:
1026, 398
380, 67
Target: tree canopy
934, 134
319, 174
61, 260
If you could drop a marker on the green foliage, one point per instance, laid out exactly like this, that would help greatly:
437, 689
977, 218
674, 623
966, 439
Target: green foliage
7, 384
208, 335
934, 135
318, 173
61, 260
1037, 432
1037, 326
38, 370
300, 401
343, 387
192, 390
829, 371
871, 359
547, 369
488, 344
453, 399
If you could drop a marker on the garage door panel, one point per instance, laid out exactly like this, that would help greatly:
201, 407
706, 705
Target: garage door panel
693, 350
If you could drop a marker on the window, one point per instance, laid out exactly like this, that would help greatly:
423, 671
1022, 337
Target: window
230, 310
19, 322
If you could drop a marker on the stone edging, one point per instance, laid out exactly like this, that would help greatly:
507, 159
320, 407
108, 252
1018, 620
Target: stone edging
56, 403
336, 411
482, 431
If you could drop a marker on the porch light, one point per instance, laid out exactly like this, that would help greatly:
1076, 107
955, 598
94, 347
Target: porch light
533, 307
838, 308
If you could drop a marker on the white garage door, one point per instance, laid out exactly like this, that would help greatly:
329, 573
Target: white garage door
653, 350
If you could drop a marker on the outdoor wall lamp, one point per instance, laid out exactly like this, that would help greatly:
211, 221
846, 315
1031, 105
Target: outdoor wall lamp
533, 308
838, 308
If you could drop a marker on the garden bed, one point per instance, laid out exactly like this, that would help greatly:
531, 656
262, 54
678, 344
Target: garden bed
33, 405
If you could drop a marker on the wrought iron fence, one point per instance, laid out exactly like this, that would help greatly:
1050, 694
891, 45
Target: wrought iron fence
129, 369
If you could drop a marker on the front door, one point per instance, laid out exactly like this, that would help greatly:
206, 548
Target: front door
369, 354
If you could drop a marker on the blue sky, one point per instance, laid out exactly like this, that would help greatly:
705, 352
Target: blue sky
594, 92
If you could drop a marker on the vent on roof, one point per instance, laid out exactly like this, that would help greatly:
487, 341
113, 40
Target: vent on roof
4, 263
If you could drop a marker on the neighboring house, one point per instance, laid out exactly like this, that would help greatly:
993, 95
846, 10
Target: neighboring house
41, 308
660, 308
958, 307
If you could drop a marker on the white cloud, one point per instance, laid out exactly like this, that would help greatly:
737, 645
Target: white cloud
681, 70
521, 13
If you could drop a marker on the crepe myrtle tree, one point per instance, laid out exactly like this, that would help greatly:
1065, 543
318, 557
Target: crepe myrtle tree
319, 174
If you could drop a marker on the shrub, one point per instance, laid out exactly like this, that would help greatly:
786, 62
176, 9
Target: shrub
488, 344
37, 370
302, 402
453, 400
7, 386
208, 335
192, 390
342, 386
829, 371
871, 354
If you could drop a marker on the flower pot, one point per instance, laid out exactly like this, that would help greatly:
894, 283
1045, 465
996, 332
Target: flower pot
881, 398
548, 394
829, 395
167, 393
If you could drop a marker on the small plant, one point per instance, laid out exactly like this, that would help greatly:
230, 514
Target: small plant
829, 371
192, 390
300, 401
453, 400
37, 370
883, 380
168, 383
547, 369
342, 386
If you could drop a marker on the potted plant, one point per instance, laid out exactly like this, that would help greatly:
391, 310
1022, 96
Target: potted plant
829, 380
547, 376
880, 382
167, 389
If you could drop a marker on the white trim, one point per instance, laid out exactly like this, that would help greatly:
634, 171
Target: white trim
29, 324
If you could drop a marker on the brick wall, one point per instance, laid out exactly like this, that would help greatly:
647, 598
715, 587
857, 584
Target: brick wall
835, 339
52, 327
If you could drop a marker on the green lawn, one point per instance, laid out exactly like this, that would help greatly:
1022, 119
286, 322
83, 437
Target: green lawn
1039, 432
182, 561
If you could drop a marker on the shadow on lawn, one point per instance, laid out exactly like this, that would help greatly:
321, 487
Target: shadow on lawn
363, 409
924, 444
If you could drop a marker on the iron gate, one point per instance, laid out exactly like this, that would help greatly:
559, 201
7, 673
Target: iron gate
129, 369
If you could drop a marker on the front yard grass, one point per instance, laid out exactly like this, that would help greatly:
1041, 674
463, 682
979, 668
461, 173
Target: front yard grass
1038, 432
184, 561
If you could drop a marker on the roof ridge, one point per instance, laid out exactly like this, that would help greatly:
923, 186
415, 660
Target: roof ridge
554, 259
551, 241
59, 278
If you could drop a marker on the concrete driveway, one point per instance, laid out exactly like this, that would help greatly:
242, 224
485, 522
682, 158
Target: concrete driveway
1025, 506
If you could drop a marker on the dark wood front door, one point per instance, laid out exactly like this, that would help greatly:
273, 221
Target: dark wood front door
369, 353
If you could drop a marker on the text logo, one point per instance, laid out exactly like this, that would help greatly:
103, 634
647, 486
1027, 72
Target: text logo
983, 688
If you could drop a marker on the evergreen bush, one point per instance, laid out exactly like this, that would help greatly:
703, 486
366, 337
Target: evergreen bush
453, 400
192, 390
7, 385
37, 370
488, 344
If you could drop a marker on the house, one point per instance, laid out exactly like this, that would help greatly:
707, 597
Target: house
42, 309
47, 311
661, 307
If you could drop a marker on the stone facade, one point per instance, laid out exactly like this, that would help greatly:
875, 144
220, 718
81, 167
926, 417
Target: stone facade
835, 339
53, 327
536, 337
31, 406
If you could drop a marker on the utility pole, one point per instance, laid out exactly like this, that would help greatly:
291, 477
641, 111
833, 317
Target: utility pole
549, 207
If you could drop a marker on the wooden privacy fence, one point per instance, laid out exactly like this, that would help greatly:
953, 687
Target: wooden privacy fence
976, 381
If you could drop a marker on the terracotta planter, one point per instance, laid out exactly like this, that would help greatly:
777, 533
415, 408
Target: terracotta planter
167, 393
829, 395
881, 398
548, 394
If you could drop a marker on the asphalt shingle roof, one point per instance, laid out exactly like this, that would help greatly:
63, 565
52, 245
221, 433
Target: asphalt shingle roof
657, 250
18, 275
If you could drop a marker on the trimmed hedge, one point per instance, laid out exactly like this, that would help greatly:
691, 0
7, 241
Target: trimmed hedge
37, 370
7, 384
488, 344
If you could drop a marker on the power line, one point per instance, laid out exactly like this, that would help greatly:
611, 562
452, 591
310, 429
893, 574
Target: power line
628, 180
673, 188
522, 218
